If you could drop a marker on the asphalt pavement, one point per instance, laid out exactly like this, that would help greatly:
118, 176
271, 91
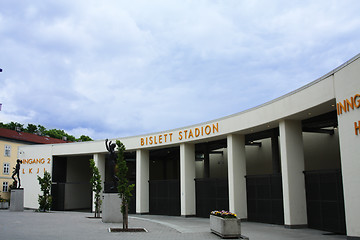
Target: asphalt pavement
32, 225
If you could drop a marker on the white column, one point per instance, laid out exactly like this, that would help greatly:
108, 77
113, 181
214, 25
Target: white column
187, 176
292, 167
142, 181
99, 160
236, 175
347, 87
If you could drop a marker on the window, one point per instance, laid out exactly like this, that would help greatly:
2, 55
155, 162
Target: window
5, 186
6, 168
7, 150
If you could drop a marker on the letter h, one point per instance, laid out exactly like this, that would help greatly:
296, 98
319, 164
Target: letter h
357, 128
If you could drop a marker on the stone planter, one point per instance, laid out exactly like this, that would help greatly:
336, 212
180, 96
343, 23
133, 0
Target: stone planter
4, 205
225, 227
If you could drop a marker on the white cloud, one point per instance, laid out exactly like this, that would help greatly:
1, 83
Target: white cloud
119, 68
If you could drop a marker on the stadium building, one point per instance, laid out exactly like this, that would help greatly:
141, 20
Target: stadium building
293, 161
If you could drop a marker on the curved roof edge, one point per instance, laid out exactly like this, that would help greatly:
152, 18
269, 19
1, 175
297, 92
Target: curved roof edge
261, 105
244, 111
134, 143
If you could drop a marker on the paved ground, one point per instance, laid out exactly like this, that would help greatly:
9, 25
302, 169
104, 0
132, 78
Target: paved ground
31, 225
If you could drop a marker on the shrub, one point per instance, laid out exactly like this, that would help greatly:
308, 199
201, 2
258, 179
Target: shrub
45, 200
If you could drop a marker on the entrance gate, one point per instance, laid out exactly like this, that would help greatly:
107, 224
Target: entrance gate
265, 199
211, 194
325, 201
164, 197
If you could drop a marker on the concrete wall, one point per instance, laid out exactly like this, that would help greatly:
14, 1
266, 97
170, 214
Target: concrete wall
259, 159
322, 151
199, 169
164, 169
35, 159
219, 164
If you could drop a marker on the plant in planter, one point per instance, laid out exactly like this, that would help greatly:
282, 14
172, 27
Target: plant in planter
4, 203
225, 224
223, 214
95, 182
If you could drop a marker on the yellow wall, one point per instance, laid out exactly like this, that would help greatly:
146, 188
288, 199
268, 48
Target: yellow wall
5, 159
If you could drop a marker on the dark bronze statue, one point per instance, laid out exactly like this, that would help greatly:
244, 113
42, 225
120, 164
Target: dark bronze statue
110, 146
16, 172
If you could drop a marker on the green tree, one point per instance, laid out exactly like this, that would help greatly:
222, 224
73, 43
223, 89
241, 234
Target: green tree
31, 128
124, 188
54, 133
95, 182
45, 200
12, 126
59, 134
41, 129
84, 138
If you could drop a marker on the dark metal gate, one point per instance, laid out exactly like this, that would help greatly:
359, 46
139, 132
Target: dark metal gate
58, 196
211, 194
164, 197
265, 199
325, 200
58, 183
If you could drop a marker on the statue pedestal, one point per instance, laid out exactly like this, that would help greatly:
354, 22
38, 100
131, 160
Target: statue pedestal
17, 200
111, 208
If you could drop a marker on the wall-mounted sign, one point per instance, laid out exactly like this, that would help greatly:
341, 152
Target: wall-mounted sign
348, 105
190, 133
36, 165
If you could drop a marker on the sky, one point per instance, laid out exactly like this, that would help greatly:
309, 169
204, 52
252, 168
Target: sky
116, 68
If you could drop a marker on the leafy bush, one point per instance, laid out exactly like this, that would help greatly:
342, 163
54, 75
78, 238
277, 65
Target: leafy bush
45, 200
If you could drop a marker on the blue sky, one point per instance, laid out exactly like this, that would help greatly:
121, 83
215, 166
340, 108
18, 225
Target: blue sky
114, 68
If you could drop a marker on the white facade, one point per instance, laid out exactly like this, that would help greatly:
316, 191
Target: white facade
338, 90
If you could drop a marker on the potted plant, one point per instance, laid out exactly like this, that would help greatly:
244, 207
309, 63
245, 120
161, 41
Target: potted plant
4, 204
225, 224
